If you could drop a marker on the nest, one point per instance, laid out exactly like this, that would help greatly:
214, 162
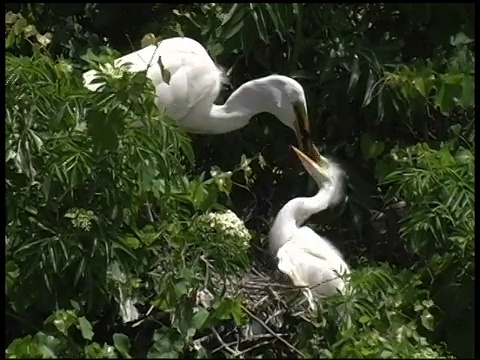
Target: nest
270, 296
273, 309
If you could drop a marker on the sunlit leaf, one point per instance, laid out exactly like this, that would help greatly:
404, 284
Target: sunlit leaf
199, 318
427, 320
355, 73
369, 89
85, 328
122, 344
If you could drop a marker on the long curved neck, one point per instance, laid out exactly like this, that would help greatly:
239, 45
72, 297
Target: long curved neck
294, 214
251, 98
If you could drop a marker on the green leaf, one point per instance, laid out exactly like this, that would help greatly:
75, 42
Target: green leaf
44, 40
25, 347
30, 30
229, 15
146, 176
228, 309
85, 328
12, 272
105, 128
355, 73
62, 320
364, 319
237, 313
446, 159
427, 303
464, 156
95, 351
75, 305
47, 183
199, 195
427, 320
48, 345
453, 79
369, 89
164, 345
370, 148
122, 344
467, 100
259, 23
223, 310
199, 318
445, 98
215, 49
419, 85
455, 129
460, 39
181, 287
11, 18
131, 242
276, 20
233, 31
40, 346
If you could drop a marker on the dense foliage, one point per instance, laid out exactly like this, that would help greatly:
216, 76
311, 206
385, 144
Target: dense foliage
91, 271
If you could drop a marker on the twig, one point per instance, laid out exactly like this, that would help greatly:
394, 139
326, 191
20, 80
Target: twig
275, 295
207, 270
224, 345
253, 347
266, 327
260, 302
238, 342
278, 312
221, 347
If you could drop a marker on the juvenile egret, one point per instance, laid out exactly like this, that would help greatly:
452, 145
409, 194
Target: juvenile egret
309, 259
187, 82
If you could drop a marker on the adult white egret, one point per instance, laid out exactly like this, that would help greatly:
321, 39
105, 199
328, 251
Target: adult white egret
309, 259
187, 82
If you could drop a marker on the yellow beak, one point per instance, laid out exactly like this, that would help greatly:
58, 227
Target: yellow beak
314, 166
302, 129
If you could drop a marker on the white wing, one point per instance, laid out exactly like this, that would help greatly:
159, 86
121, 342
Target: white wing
195, 81
318, 246
310, 260
305, 269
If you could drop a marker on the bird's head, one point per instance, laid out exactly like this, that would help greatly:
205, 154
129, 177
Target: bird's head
290, 107
324, 171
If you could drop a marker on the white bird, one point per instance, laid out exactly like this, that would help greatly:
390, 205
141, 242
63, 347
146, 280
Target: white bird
187, 82
309, 259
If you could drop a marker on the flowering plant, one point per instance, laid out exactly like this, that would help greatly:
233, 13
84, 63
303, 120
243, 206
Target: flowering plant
226, 234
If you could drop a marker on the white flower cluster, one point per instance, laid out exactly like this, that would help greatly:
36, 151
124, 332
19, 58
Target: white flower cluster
227, 223
81, 218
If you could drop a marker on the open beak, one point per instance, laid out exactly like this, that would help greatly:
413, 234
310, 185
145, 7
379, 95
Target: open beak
314, 167
302, 131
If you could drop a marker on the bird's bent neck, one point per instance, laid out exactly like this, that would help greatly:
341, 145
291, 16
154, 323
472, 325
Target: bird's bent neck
294, 214
251, 98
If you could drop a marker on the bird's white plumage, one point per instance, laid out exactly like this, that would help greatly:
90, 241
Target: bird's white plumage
307, 258
310, 260
195, 79
187, 83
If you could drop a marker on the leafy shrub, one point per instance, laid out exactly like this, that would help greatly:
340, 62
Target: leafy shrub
438, 186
